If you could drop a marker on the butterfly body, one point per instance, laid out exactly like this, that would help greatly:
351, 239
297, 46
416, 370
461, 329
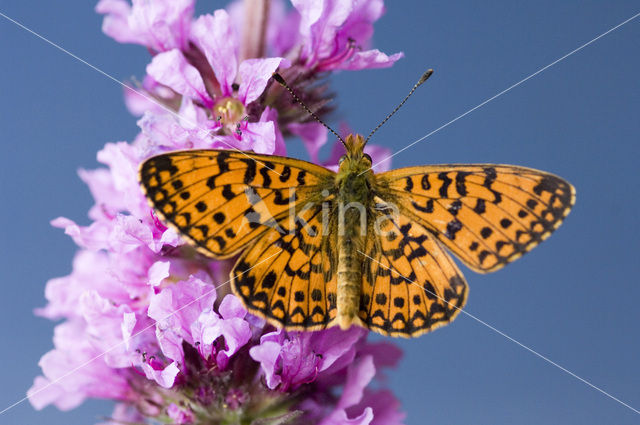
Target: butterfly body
318, 249
354, 183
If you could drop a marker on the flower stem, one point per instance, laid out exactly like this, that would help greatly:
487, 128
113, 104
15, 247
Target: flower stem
255, 29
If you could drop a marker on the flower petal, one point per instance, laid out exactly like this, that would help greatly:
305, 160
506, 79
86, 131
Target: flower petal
179, 415
115, 23
179, 305
259, 137
172, 69
44, 392
160, 25
271, 114
164, 377
386, 407
318, 26
128, 323
217, 39
358, 377
339, 417
158, 272
231, 307
93, 237
267, 354
370, 59
254, 76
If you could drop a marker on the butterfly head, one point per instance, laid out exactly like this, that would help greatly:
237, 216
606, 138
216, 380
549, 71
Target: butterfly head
355, 160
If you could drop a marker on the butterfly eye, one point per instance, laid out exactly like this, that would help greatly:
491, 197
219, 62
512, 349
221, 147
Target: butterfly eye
368, 157
341, 160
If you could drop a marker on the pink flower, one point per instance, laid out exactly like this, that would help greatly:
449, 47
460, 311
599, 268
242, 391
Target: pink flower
359, 374
211, 85
66, 383
332, 33
184, 313
147, 321
124, 413
160, 24
179, 415
289, 360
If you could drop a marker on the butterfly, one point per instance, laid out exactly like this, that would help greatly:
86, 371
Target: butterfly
318, 248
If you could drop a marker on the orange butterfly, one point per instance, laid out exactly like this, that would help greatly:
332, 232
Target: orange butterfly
318, 248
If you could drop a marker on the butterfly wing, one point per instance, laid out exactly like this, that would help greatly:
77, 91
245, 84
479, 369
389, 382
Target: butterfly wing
220, 201
410, 284
488, 215
287, 277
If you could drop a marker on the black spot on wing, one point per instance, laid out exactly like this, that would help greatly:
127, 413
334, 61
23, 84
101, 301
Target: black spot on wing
427, 208
201, 206
547, 184
446, 181
221, 160
269, 280
381, 299
490, 176
453, 227
301, 177
424, 182
264, 172
250, 172
219, 217
316, 295
455, 206
227, 192
409, 185
286, 174
461, 187
486, 232
480, 207
164, 163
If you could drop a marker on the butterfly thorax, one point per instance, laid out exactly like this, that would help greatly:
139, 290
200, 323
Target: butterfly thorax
354, 200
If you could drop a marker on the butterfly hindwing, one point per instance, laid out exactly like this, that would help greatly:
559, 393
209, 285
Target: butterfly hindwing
410, 284
220, 201
287, 276
488, 215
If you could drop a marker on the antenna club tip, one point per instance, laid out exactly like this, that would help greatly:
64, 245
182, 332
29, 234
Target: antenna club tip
425, 76
278, 78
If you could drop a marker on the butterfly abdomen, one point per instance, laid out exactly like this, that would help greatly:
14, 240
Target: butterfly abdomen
350, 243
354, 202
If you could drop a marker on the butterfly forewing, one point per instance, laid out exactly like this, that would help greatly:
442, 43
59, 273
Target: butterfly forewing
410, 284
488, 215
223, 200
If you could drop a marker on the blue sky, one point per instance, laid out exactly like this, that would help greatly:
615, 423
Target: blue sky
573, 299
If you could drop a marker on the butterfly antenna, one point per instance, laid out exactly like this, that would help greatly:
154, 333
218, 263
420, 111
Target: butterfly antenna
422, 79
284, 84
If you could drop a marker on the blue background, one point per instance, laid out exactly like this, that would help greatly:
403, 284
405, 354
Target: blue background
574, 299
